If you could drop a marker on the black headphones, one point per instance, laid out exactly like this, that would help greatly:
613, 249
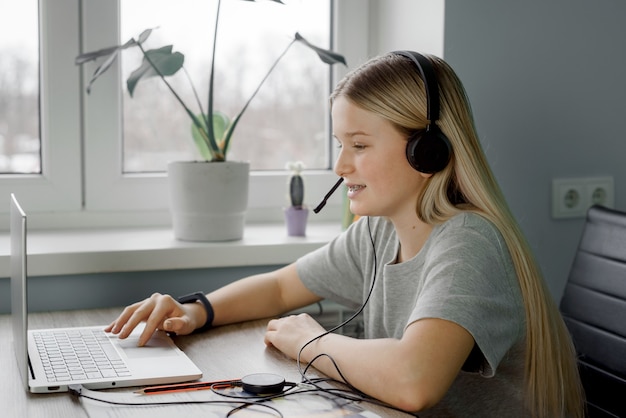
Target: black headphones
428, 151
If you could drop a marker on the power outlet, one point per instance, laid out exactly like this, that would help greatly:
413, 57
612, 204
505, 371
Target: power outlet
600, 191
572, 198
568, 198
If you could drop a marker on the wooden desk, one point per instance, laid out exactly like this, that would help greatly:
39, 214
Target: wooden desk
223, 353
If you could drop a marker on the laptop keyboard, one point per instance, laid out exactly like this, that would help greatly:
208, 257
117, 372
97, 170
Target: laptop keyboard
78, 355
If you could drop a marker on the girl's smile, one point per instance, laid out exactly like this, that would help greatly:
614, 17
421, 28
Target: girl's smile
354, 189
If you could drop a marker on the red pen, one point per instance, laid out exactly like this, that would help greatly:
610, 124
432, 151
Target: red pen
182, 387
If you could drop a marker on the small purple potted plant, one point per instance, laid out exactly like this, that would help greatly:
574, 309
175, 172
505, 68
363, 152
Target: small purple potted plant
297, 214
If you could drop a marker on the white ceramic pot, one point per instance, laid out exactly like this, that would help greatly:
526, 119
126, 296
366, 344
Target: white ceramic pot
208, 200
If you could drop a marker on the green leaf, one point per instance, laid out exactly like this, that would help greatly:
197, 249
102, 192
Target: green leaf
156, 62
326, 55
110, 53
90, 56
220, 124
221, 121
201, 144
102, 68
143, 36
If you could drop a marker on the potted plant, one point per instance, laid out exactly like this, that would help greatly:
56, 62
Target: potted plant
199, 213
297, 214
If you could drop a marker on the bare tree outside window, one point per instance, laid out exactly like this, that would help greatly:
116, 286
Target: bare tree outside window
287, 120
20, 143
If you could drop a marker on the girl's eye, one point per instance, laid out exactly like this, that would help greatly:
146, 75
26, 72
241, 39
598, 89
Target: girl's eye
356, 145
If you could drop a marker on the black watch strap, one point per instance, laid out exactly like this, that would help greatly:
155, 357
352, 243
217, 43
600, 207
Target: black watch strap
199, 296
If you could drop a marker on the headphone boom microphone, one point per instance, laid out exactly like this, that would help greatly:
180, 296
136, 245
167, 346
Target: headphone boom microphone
331, 191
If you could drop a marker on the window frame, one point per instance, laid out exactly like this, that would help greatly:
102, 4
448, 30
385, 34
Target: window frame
85, 187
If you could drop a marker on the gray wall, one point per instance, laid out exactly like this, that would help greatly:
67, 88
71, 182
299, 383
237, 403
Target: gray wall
546, 81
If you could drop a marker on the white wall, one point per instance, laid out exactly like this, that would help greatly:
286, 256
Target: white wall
407, 24
547, 84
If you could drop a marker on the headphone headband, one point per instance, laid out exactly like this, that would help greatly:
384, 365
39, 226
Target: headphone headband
430, 83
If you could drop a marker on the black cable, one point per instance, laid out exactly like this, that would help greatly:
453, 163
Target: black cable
284, 392
332, 360
357, 313
243, 402
81, 392
321, 308
352, 393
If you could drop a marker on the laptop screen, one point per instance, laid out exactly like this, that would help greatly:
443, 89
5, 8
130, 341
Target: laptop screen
19, 310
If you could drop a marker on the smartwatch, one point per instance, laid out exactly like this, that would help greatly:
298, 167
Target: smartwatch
199, 296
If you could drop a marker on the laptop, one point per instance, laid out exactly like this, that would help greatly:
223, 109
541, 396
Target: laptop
50, 360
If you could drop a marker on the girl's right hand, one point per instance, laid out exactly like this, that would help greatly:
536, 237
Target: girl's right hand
158, 312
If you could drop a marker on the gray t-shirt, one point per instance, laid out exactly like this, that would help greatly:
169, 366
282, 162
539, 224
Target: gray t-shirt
463, 274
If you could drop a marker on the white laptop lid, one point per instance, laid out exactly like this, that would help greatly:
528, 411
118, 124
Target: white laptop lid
19, 314
159, 362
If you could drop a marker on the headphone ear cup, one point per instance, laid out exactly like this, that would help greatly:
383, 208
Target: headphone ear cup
428, 151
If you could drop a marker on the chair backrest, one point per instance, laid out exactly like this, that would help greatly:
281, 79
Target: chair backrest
594, 309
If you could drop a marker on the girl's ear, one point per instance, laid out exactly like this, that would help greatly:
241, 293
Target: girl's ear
425, 175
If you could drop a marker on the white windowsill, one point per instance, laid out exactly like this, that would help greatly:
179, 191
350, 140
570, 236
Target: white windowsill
85, 251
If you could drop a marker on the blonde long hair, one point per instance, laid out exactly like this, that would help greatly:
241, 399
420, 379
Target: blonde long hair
391, 87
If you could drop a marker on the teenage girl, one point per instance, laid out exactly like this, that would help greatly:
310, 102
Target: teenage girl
458, 320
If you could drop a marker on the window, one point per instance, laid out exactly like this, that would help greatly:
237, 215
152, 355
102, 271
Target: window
287, 119
89, 175
55, 186
19, 88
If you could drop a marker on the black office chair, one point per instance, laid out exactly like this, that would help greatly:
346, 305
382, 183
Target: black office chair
594, 309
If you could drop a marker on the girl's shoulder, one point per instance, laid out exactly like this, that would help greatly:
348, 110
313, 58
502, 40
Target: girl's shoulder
470, 230
468, 221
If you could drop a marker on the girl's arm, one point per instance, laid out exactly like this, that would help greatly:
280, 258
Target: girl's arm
412, 373
259, 296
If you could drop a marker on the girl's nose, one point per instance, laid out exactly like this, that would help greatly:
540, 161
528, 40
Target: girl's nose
342, 165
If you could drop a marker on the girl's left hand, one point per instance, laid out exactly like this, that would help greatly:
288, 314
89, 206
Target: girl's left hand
290, 333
